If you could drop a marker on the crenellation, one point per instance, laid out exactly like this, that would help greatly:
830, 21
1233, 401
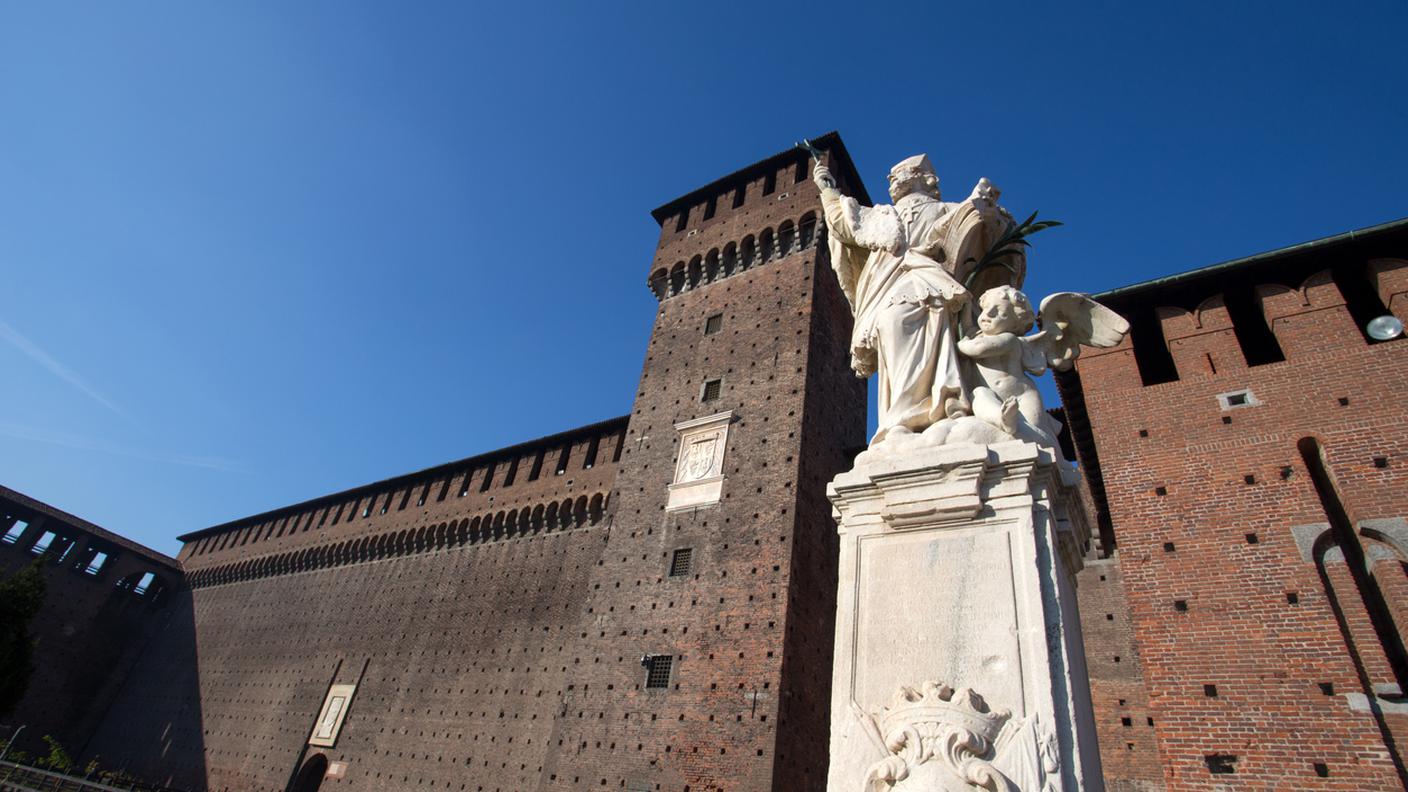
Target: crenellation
476, 483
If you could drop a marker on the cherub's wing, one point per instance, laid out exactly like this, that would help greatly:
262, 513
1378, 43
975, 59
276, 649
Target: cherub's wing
1069, 320
1034, 350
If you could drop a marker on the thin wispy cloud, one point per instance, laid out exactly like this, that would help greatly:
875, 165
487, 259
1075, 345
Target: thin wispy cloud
32, 351
82, 443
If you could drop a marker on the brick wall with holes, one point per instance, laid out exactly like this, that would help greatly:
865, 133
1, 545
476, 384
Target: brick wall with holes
1252, 655
748, 630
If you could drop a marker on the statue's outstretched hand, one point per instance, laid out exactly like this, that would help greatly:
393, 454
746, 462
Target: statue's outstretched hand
821, 175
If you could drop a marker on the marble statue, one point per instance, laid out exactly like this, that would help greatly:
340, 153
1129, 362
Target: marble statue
960, 526
950, 370
902, 268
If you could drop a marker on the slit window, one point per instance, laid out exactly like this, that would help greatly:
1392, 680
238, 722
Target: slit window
770, 183
488, 479
405, 499
683, 222
464, 485
657, 670
712, 390
563, 459
144, 583
801, 172
512, 473
740, 195
592, 449
709, 208
96, 564
1259, 344
423, 493
714, 324
681, 562
537, 465
444, 490
16, 531
1151, 353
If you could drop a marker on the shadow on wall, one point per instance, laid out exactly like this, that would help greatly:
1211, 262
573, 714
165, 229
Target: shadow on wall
153, 729
104, 603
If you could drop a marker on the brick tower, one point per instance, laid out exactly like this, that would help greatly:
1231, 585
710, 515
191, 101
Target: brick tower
707, 630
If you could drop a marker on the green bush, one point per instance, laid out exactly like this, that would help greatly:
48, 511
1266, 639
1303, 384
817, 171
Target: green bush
20, 598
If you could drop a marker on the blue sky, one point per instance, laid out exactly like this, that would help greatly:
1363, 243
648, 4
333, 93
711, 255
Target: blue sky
256, 252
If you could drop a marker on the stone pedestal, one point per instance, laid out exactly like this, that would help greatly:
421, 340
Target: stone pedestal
959, 662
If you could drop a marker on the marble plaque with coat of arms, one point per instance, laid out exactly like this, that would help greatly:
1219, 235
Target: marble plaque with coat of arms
699, 469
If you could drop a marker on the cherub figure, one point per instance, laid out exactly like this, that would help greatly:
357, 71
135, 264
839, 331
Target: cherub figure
1007, 397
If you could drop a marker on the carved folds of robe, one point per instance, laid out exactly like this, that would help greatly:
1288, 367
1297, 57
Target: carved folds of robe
901, 268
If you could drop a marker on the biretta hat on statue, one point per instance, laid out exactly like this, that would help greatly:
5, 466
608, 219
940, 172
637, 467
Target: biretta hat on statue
919, 162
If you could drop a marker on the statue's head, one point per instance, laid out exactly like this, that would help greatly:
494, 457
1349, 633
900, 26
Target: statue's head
915, 174
1005, 310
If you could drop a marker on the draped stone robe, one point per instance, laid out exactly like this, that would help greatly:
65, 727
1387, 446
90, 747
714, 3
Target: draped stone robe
896, 265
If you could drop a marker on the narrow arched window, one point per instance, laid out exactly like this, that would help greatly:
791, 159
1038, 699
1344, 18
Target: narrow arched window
806, 232
786, 236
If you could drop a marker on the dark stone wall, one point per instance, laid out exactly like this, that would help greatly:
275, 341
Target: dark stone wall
93, 627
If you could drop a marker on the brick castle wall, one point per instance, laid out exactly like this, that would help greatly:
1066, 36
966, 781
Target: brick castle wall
1248, 649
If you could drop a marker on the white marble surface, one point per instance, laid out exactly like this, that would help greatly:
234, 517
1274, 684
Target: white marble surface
957, 571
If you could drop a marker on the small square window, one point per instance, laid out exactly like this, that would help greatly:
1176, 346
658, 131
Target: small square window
657, 670
712, 389
96, 565
681, 562
1234, 399
714, 324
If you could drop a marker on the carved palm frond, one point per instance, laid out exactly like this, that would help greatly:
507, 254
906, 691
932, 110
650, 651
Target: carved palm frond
1012, 240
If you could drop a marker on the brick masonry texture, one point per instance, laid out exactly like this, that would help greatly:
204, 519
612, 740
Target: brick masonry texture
1211, 631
